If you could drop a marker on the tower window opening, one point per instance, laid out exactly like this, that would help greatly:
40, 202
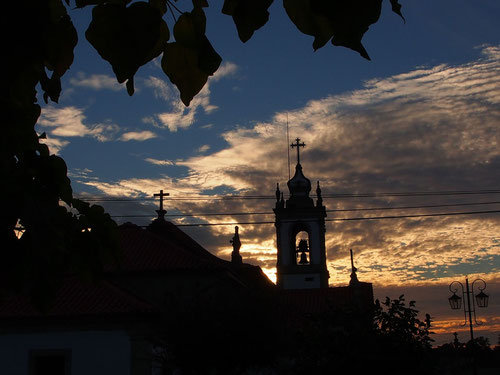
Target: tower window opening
302, 251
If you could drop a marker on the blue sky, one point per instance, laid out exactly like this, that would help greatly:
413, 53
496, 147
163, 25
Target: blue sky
422, 115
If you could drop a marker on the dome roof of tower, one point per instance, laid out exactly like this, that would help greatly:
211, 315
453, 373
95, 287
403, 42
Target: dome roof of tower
299, 185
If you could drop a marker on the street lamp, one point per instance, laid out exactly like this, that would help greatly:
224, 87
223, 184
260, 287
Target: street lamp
481, 301
482, 298
455, 301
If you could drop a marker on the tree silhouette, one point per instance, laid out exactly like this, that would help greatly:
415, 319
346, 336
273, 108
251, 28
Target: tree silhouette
401, 323
42, 239
389, 337
454, 357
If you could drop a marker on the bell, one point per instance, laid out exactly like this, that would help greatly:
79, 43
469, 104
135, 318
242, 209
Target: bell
302, 246
303, 258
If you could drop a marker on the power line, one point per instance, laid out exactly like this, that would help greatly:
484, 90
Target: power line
325, 196
413, 207
412, 194
333, 210
416, 215
349, 219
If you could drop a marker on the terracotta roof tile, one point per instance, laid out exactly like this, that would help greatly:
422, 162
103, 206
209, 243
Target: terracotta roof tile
76, 297
162, 248
143, 250
172, 233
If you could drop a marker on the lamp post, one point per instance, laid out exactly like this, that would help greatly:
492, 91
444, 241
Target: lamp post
456, 302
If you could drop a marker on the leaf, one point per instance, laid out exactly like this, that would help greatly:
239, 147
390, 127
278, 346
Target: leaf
248, 15
51, 87
127, 37
345, 22
191, 59
185, 31
130, 86
229, 7
396, 8
60, 40
352, 43
180, 64
161, 5
208, 59
350, 20
58, 176
308, 22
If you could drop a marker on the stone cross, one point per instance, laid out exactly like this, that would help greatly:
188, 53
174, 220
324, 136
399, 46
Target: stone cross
161, 212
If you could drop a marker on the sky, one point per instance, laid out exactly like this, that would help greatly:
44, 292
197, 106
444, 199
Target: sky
422, 116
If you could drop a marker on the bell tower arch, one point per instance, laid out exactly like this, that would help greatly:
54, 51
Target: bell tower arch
300, 231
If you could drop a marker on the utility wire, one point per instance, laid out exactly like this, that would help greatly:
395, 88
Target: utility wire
325, 196
412, 194
333, 210
347, 219
413, 207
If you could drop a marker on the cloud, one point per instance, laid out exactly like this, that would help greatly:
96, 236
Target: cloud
159, 162
55, 144
140, 187
431, 129
227, 69
96, 82
69, 122
179, 116
81, 173
161, 88
203, 149
137, 136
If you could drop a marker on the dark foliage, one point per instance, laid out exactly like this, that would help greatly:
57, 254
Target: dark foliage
455, 357
390, 338
41, 239
250, 333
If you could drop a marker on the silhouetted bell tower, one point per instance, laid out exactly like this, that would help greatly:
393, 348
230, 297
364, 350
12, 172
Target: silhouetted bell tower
300, 230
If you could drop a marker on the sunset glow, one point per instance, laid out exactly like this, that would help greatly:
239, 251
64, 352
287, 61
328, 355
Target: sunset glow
423, 119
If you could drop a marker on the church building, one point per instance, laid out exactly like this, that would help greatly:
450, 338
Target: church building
300, 234
301, 268
164, 276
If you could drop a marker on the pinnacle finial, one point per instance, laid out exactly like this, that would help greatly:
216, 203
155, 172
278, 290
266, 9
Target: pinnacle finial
235, 255
318, 194
354, 277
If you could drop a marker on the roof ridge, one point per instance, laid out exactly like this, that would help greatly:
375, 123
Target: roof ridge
163, 252
184, 237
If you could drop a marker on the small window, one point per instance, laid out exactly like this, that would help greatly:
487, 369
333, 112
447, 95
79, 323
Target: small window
50, 362
309, 278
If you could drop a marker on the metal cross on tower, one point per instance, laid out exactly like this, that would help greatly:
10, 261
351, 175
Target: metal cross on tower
161, 212
298, 145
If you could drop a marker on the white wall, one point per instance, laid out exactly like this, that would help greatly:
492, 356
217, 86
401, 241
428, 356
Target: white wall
298, 281
92, 352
